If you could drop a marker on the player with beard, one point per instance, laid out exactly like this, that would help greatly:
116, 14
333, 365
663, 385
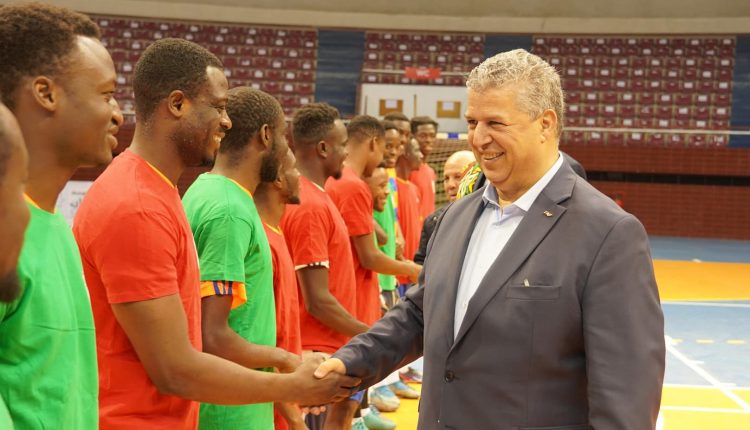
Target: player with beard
141, 263
318, 240
237, 306
58, 80
271, 198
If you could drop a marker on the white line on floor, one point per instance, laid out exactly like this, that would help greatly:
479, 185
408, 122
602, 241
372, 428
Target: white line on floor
706, 387
707, 304
705, 375
714, 410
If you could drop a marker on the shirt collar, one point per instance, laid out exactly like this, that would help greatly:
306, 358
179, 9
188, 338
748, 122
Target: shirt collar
527, 199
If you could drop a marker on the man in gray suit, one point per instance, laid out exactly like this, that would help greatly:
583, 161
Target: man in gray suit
538, 307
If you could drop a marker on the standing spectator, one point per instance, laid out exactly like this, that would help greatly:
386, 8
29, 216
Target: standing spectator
453, 171
424, 130
409, 217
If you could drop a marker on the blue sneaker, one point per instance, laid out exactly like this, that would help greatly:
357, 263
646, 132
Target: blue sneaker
375, 421
359, 424
404, 391
384, 399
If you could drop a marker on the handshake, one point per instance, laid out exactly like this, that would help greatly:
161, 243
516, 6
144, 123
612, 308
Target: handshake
319, 381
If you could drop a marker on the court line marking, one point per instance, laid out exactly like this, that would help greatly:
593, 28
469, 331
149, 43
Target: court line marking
707, 304
711, 410
705, 375
704, 387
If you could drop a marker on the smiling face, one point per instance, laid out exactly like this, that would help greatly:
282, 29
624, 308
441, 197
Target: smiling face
513, 149
203, 127
89, 116
392, 147
426, 135
378, 184
404, 132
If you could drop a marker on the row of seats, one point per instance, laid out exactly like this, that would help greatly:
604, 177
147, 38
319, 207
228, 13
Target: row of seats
106, 23
691, 51
657, 123
281, 61
626, 62
443, 47
635, 41
454, 53
391, 78
645, 139
649, 111
421, 58
629, 85
385, 36
683, 98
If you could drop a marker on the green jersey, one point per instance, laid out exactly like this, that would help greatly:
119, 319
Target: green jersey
232, 247
48, 371
387, 221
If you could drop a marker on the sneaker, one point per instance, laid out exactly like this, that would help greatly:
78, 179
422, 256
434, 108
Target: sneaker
404, 391
375, 421
359, 424
384, 399
412, 375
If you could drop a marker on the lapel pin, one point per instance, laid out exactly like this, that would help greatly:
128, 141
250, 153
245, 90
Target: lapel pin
547, 213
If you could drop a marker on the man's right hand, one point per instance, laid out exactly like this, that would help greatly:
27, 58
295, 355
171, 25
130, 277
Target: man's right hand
322, 388
334, 365
415, 271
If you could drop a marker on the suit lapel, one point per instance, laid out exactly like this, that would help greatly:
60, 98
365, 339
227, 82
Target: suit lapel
536, 224
460, 221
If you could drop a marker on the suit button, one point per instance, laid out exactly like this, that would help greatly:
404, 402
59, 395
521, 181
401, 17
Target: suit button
449, 375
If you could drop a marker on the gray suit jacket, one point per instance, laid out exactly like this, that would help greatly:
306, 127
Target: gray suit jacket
581, 347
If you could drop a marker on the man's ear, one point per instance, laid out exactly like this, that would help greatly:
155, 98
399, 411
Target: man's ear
46, 93
265, 136
177, 103
549, 125
322, 149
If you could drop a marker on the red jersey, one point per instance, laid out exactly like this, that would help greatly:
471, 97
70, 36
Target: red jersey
136, 245
352, 197
410, 220
424, 179
287, 302
285, 293
316, 234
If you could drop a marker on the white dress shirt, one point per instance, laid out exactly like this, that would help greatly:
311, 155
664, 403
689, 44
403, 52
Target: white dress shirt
492, 231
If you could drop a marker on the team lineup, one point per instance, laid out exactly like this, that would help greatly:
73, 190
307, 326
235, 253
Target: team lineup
294, 284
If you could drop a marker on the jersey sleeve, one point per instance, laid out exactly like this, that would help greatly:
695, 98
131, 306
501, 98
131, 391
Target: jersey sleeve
356, 210
222, 245
306, 233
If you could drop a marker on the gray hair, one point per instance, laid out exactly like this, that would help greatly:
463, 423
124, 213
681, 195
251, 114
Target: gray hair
538, 82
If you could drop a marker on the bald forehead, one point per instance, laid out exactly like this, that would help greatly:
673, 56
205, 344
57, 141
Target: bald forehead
460, 159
